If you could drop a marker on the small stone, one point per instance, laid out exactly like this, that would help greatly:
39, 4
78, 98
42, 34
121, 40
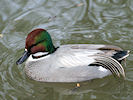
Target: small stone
1, 35
78, 85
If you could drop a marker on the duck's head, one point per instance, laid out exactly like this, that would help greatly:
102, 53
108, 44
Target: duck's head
38, 40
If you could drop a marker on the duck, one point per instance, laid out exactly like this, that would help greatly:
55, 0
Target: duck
70, 62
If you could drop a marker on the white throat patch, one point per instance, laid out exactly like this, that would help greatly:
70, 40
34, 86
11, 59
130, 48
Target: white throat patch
40, 54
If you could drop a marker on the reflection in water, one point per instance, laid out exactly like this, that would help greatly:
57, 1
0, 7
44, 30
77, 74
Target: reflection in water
80, 21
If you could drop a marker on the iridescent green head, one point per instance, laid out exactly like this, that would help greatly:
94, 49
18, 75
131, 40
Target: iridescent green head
38, 40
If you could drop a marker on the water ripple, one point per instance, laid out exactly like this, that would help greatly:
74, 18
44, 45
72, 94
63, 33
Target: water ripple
80, 21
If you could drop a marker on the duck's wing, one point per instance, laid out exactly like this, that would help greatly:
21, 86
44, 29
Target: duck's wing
98, 67
106, 56
109, 50
109, 63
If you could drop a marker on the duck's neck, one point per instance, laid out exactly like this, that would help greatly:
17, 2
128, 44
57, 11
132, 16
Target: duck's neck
51, 49
42, 54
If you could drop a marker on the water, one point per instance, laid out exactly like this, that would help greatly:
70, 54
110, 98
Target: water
68, 22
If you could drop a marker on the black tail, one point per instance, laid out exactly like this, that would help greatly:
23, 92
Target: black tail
120, 55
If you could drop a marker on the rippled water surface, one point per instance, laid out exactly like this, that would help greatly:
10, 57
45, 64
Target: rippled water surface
67, 21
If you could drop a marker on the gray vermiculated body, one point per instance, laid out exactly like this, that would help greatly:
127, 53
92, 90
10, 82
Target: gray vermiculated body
69, 64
